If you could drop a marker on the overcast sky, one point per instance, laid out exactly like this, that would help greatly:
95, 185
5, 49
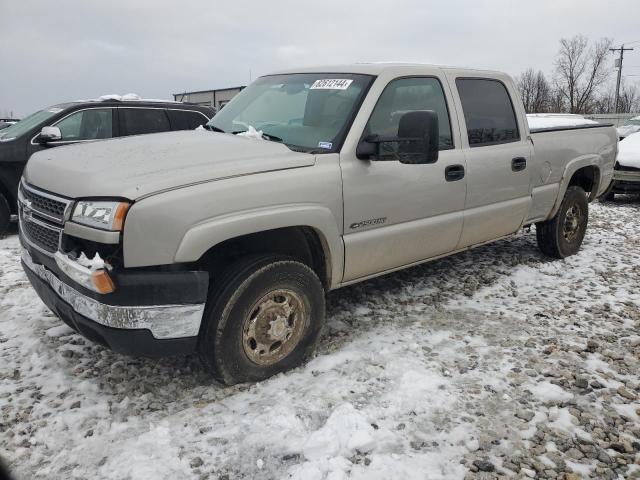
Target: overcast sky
52, 52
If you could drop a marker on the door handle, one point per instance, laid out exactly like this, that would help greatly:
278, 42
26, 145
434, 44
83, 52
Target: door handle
453, 173
518, 164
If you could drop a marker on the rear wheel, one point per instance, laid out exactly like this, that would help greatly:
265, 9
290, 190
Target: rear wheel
562, 235
264, 316
5, 214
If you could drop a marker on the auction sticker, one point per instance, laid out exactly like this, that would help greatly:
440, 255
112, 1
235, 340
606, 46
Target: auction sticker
331, 84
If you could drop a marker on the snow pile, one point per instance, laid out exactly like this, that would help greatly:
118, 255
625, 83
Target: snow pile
251, 132
127, 97
114, 96
549, 120
548, 392
629, 151
93, 264
345, 431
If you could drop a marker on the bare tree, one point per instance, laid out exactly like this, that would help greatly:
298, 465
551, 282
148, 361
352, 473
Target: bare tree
580, 71
629, 99
535, 91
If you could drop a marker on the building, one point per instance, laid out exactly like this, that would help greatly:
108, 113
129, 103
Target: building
210, 98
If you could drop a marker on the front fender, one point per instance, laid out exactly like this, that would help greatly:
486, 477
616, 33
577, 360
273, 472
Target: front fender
207, 234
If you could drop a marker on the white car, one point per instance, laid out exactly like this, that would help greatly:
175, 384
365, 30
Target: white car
630, 126
626, 173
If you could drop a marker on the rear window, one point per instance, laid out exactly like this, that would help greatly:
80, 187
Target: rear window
138, 121
186, 119
488, 112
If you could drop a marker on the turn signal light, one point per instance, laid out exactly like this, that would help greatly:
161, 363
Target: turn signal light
102, 281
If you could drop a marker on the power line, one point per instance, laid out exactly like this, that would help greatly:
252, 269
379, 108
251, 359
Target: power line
619, 65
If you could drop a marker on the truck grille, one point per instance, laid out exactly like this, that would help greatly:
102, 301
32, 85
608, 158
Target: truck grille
44, 203
40, 235
41, 216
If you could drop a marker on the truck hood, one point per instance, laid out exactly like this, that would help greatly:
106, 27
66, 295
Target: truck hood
134, 167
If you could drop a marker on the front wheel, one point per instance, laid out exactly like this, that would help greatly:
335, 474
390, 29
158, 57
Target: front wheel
562, 235
264, 316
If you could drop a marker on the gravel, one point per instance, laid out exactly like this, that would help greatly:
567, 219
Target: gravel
493, 363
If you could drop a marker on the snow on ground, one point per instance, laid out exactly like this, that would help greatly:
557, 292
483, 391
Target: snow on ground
495, 360
629, 151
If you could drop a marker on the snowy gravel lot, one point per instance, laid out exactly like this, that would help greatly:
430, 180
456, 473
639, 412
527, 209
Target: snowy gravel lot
495, 362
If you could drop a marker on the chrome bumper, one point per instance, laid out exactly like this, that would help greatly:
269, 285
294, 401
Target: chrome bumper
163, 321
626, 176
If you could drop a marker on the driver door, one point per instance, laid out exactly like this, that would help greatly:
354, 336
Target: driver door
398, 214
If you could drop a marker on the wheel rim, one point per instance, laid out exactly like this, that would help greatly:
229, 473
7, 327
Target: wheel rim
572, 223
274, 326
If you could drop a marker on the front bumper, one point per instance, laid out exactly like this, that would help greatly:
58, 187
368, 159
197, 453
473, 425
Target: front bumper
148, 329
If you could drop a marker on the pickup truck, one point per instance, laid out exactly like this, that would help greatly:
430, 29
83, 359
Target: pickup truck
224, 240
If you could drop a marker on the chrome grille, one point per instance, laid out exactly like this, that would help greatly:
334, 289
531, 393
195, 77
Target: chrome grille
44, 203
41, 217
42, 236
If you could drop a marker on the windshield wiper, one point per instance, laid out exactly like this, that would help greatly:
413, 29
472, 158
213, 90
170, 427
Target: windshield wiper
213, 128
266, 136
272, 138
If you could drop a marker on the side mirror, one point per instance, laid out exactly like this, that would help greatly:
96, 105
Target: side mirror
417, 142
49, 134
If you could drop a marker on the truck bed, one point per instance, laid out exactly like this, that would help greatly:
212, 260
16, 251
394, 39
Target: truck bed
555, 148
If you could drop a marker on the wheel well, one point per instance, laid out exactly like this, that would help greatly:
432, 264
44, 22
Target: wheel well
588, 178
303, 243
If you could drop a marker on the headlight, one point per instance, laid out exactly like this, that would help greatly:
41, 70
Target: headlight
99, 214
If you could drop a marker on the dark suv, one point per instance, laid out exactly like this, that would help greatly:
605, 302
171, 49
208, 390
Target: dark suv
84, 121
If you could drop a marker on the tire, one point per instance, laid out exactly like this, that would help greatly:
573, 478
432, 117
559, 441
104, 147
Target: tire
252, 294
562, 235
5, 214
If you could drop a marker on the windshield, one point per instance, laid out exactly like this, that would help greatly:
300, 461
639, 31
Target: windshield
632, 121
18, 129
306, 111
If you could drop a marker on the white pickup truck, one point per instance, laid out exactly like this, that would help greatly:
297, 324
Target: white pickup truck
224, 240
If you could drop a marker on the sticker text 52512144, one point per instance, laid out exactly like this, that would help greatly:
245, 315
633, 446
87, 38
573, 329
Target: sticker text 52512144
331, 84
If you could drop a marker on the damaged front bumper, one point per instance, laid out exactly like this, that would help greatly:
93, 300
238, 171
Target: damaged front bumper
152, 313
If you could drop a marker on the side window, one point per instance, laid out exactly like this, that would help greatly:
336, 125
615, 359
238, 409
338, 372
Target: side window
90, 124
406, 95
138, 121
186, 120
488, 112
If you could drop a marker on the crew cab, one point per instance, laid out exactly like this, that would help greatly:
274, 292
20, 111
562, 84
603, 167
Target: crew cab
224, 240
85, 121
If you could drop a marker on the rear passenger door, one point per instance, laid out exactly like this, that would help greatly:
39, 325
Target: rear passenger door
140, 120
498, 160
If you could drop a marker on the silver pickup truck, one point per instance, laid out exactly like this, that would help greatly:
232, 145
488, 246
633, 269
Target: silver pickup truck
224, 240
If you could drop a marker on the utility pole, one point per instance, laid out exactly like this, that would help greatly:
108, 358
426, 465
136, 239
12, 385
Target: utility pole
619, 65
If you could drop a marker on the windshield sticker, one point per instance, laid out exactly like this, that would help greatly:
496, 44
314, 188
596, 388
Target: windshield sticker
326, 145
331, 84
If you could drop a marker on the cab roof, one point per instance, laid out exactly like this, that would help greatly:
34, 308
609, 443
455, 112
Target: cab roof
377, 68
